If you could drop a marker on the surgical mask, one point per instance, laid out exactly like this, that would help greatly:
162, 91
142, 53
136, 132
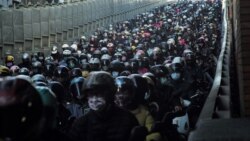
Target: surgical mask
163, 80
115, 74
96, 103
176, 76
105, 68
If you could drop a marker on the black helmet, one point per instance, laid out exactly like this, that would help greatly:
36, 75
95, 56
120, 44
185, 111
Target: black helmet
134, 63
125, 95
61, 73
125, 73
50, 107
39, 80
100, 81
49, 69
76, 86
116, 67
141, 87
26, 58
37, 67
124, 83
161, 74
177, 65
159, 71
41, 57
20, 110
58, 89
83, 58
97, 54
72, 62
34, 57
24, 71
76, 72
95, 64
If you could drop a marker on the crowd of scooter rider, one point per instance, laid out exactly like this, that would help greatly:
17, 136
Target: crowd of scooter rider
145, 78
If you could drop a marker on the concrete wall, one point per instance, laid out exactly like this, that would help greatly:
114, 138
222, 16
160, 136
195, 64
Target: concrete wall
241, 21
38, 28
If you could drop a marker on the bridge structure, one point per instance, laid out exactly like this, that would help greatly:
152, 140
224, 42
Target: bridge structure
38, 26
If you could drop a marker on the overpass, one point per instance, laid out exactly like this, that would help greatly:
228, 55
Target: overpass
36, 27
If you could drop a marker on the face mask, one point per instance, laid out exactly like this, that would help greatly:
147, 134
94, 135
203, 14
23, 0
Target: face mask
105, 68
96, 103
124, 58
175, 76
115, 74
163, 80
123, 100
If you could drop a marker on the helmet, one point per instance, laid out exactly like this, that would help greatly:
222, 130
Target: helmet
188, 56
41, 57
76, 86
150, 75
95, 64
4, 71
72, 62
76, 72
58, 89
50, 107
125, 73
110, 47
117, 56
140, 54
20, 110
100, 80
24, 71
9, 61
14, 70
104, 50
141, 87
65, 46
124, 83
161, 74
116, 67
105, 62
49, 69
97, 54
176, 68
61, 72
37, 67
134, 63
83, 58
74, 47
125, 95
34, 57
66, 53
39, 79
54, 50
177, 65
143, 62
26, 58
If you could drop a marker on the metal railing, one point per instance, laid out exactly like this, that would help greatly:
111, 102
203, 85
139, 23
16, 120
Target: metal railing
217, 104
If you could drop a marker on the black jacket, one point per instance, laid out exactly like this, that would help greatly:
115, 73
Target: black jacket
115, 124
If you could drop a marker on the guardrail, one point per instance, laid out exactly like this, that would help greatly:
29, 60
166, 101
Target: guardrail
217, 105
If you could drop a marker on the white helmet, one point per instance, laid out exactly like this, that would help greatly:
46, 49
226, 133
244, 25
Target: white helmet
65, 46
74, 46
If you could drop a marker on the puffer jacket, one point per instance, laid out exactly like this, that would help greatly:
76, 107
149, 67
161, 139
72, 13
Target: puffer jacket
145, 119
